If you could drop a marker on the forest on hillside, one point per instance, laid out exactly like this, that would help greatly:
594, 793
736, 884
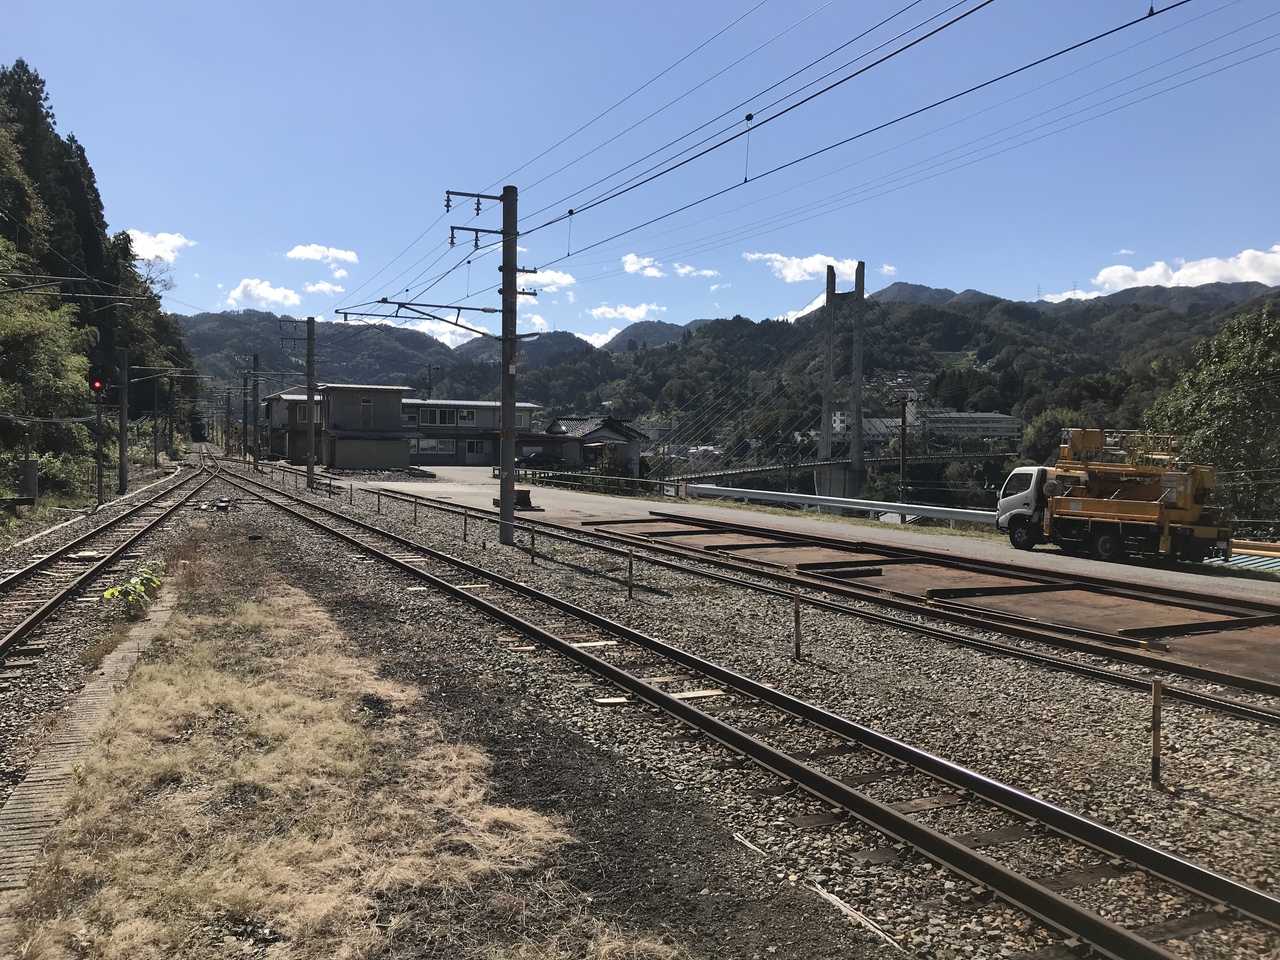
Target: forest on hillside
71, 297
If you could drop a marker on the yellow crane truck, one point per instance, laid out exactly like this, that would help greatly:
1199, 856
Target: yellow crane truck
1112, 494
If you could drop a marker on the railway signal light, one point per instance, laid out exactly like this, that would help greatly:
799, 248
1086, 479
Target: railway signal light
98, 386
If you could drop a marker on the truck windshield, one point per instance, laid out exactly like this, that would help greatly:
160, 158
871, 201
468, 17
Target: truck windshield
1016, 484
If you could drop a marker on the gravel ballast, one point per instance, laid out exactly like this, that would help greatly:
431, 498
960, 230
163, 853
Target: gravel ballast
669, 835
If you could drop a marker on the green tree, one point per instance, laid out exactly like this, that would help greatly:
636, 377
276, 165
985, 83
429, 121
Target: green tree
1226, 407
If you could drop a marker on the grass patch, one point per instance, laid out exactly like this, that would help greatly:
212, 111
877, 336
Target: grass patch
260, 791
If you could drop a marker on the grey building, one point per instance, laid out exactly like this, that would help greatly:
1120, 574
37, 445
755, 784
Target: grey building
459, 432
363, 428
288, 418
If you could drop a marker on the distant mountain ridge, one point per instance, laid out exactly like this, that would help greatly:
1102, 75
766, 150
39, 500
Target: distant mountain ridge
914, 328
1203, 297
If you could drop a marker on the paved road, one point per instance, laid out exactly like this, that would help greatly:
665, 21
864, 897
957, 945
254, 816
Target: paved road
477, 487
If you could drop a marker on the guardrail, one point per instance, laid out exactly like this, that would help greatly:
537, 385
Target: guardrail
839, 503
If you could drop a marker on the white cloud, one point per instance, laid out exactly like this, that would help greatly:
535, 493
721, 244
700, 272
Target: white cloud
324, 286
645, 266
552, 280
813, 304
1072, 295
799, 269
684, 270
263, 294
1261, 266
571, 296
630, 314
1124, 252
1258, 265
446, 333
317, 251
600, 339
161, 246
535, 322
339, 273
720, 286
889, 271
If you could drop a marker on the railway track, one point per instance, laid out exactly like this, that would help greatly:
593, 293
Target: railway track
32, 592
903, 793
1028, 643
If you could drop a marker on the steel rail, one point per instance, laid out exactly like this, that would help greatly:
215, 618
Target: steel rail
1241, 709
42, 613
18, 576
1060, 636
1052, 909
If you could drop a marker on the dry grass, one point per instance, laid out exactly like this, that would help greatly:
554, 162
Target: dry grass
260, 792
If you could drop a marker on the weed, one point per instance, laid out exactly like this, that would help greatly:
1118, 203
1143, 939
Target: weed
138, 591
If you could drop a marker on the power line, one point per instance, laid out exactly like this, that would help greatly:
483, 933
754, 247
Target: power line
783, 112
844, 142
619, 103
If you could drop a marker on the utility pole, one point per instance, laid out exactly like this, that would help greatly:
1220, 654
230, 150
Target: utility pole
155, 424
312, 406
856, 469
123, 486
902, 452
255, 412
98, 403
507, 468
168, 445
226, 433
244, 421
828, 370
510, 291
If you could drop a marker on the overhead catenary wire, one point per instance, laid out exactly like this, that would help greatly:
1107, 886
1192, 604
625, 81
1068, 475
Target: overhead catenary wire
863, 192
760, 122
847, 140
738, 107
982, 4
654, 79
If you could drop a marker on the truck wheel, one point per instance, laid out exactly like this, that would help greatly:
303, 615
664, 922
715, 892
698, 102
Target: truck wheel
1022, 535
1106, 545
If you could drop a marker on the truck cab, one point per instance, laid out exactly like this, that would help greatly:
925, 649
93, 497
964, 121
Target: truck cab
1020, 510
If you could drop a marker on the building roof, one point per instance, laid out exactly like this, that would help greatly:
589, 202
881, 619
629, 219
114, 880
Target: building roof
363, 387
468, 404
586, 426
292, 397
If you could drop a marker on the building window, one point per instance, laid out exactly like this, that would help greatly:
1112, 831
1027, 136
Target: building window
475, 446
432, 446
410, 419
466, 418
519, 419
447, 418
302, 413
366, 412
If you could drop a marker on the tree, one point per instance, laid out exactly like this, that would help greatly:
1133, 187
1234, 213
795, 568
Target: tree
1226, 407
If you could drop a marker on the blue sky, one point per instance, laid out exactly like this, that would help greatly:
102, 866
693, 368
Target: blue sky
294, 156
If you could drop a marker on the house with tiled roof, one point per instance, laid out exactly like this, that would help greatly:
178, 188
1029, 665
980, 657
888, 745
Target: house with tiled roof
584, 441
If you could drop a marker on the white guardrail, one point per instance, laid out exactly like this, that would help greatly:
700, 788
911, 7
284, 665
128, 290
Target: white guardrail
873, 506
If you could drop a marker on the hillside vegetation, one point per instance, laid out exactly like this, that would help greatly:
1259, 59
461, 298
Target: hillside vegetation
72, 297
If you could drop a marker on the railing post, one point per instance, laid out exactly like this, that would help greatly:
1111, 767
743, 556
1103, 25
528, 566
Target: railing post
1156, 690
795, 602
